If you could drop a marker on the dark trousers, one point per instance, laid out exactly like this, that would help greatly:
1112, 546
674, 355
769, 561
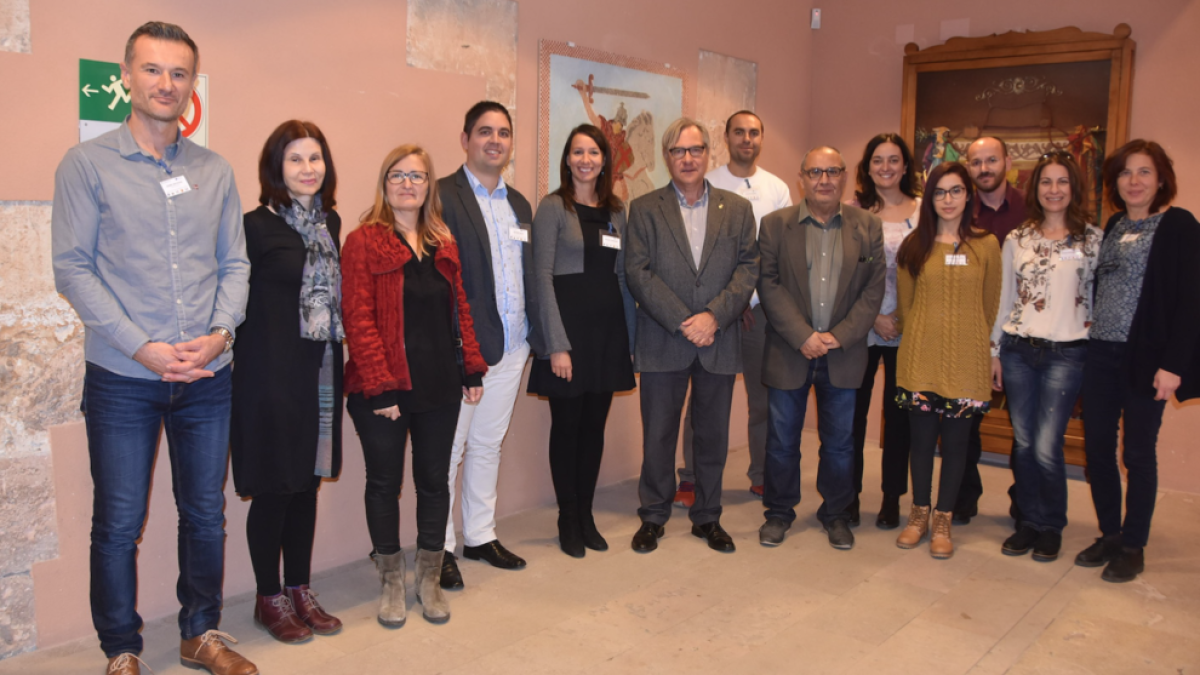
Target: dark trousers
282, 522
1107, 395
576, 448
383, 442
926, 428
662, 396
972, 483
894, 480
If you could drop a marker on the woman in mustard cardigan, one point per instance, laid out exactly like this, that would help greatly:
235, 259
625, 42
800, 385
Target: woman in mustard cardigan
948, 293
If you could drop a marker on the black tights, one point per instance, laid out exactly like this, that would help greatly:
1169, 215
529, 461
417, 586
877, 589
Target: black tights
282, 522
926, 427
576, 448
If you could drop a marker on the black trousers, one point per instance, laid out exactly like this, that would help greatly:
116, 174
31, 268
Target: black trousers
383, 442
282, 522
576, 448
926, 428
894, 480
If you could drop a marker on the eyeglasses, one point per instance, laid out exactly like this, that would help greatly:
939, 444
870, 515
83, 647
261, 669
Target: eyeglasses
695, 151
815, 173
955, 192
416, 177
1061, 154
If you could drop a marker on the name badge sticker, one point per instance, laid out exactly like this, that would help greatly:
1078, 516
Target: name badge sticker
173, 187
1070, 254
956, 259
610, 241
1131, 237
519, 233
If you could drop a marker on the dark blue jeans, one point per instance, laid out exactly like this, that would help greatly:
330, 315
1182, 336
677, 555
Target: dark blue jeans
123, 416
1107, 395
835, 426
1042, 384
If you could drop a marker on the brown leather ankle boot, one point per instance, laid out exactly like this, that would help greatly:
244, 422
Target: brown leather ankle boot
304, 601
940, 545
918, 525
208, 652
275, 614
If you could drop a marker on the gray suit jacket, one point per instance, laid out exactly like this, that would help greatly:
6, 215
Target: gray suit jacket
784, 293
669, 288
558, 249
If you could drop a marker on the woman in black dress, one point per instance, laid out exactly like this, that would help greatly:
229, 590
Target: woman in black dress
585, 318
287, 381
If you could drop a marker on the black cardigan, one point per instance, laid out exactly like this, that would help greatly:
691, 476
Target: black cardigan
1165, 332
274, 425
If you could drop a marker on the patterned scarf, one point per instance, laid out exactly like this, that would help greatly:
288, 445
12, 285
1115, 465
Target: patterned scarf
321, 288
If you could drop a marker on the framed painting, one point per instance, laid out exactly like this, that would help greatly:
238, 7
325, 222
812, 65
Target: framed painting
1043, 91
631, 100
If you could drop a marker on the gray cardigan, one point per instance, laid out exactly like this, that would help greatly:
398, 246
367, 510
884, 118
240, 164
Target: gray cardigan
558, 249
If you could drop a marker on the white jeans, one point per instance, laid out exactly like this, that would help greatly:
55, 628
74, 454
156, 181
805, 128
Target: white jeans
477, 441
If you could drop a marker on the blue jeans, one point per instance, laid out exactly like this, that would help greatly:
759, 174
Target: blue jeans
1042, 384
835, 426
123, 417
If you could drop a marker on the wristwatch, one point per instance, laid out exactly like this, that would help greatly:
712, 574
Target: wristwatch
223, 332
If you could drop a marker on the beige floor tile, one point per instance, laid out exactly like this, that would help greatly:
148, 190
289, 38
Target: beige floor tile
872, 611
922, 647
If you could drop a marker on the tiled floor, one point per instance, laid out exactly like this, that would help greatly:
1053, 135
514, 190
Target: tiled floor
800, 608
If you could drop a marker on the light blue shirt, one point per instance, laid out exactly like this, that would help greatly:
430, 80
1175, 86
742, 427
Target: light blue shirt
507, 265
138, 265
695, 221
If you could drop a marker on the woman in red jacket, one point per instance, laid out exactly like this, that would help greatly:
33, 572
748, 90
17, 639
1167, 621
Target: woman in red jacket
407, 376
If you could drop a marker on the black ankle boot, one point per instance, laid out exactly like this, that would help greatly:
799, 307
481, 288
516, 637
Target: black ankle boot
570, 535
1129, 563
1104, 550
591, 536
889, 513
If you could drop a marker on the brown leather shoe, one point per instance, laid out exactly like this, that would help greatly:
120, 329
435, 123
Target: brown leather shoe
940, 544
275, 614
918, 525
304, 601
208, 652
125, 664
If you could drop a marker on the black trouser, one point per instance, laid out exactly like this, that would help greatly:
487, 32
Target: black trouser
282, 522
383, 442
972, 483
1107, 397
894, 465
576, 448
926, 428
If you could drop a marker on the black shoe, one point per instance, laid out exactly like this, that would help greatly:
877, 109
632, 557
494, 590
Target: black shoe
718, 538
451, 578
1129, 563
1047, 547
1101, 552
840, 536
963, 513
494, 554
1021, 542
570, 536
647, 536
855, 517
773, 531
591, 536
889, 513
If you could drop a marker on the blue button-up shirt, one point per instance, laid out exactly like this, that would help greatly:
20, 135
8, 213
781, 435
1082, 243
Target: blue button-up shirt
695, 221
507, 263
139, 266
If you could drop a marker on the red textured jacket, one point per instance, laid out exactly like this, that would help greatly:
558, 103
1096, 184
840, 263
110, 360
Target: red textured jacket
373, 262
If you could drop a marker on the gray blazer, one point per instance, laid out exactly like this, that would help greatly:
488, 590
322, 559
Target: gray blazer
784, 293
558, 249
669, 288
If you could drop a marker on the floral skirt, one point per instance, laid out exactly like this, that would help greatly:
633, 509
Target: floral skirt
927, 401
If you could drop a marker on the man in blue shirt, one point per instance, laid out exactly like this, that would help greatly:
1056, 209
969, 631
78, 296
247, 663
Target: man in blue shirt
148, 248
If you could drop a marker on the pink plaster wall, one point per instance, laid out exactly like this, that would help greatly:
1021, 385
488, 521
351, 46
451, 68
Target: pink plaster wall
343, 66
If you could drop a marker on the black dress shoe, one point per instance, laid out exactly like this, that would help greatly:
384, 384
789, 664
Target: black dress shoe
451, 578
1021, 542
591, 536
840, 536
647, 536
718, 538
963, 513
570, 536
1129, 563
494, 554
853, 510
889, 513
1047, 547
1103, 551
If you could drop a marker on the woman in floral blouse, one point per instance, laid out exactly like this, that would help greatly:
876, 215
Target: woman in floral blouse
1039, 343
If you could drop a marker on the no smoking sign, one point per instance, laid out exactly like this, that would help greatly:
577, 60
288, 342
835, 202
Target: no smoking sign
104, 103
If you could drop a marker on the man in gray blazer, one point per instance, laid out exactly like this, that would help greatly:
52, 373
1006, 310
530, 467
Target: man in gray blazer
691, 263
822, 285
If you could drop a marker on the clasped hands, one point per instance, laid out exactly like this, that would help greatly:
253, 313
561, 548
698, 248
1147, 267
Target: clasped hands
818, 345
184, 362
700, 329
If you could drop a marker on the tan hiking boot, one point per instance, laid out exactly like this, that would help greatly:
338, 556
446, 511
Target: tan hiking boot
940, 545
918, 525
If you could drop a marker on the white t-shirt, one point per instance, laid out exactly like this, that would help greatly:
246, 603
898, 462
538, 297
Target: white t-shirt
765, 191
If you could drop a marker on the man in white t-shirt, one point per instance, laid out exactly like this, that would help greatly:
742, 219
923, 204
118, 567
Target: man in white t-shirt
766, 193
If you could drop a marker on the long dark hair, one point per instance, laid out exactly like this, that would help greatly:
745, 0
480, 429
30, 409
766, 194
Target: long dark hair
917, 246
866, 194
270, 165
604, 183
1077, 211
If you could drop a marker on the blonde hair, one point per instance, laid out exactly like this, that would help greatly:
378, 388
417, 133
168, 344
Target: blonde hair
432, 231
675, 130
